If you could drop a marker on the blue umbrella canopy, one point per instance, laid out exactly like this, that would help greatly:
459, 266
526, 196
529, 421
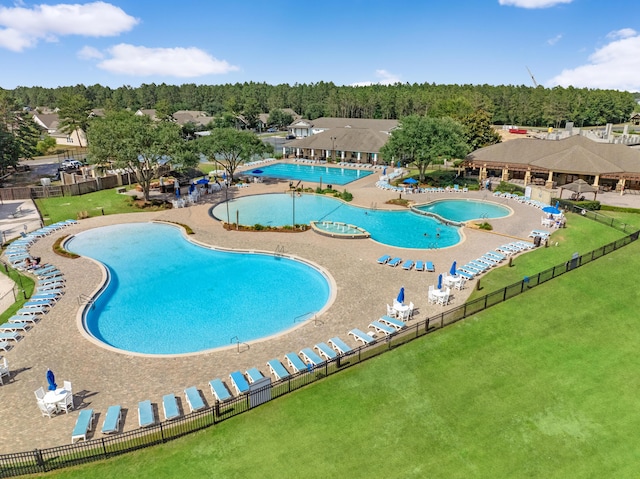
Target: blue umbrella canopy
257, 172
401, 295
453, 270
551, 210
411, 181
440, 281
51, 379
203, 181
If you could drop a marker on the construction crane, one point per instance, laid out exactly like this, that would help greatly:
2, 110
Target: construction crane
535, 83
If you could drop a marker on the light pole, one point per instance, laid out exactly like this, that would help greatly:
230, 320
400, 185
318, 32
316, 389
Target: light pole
333, 148
226, 197
293, 209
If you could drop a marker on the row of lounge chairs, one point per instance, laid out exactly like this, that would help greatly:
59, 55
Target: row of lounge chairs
480, 265
385, 185
520, 198
260, 162
408, 264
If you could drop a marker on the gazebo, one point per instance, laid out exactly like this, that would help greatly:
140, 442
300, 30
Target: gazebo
580, 186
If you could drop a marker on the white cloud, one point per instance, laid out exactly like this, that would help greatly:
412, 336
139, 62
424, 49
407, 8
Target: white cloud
613, 66
532, 3
384, 78
89, 53
176, 62
554, 40
22, 28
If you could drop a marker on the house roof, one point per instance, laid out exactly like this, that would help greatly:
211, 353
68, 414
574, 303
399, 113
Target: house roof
326, 123
576, 154
344, 139
50, 121
194, 116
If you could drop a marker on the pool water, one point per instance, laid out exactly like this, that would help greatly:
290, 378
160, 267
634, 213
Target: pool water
404, 229
462, 210
170, 296
327, 175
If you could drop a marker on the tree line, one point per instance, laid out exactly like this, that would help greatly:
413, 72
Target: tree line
506, 104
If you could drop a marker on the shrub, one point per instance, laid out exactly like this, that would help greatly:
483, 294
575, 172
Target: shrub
258, 227
60, 251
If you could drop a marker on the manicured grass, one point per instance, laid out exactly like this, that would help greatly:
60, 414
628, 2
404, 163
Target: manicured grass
543, 386
106, 202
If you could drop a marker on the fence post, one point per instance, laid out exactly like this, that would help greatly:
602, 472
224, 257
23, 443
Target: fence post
39, 461
162, 433
104, 448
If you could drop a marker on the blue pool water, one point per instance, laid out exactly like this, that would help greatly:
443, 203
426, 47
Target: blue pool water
465, 209
170, 296
328, 175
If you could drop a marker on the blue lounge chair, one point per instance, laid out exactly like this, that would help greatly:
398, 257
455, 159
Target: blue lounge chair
25, 318
194, 400
407, 265
254, 375
219, 390
277, 369
382, 328
146, 417
384, 259
295, 362
35, 305
84, 423
419, 266
430, 267
4, 345
326, 351
311, 357
12, 327
396, 323
111, 422
170, 407
32, 311
361, 336
464, 274
9, 336
394, 262
339, 345
44, 297
239, 382
495, 254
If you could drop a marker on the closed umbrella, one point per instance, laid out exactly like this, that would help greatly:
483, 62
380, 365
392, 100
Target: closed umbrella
440, 281
384, 170
51, 379
401, 296
257, 172
177, 191
453, 270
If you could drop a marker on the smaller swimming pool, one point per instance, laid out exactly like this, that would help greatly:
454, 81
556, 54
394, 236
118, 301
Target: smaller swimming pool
461, 210
327, 175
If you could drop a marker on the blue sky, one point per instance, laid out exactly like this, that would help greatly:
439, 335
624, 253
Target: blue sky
584, 43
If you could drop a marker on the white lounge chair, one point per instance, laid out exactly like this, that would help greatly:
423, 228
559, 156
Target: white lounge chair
112, 420
254, 374
4, 370
393, 322
361, 336
219, 390
311, 357
277, 369
295, 362
194, 400
326, 351
382, 328
84, 424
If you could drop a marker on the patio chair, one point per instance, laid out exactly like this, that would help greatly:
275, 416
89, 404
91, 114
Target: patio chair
219, 390
146, 417
66, 404
170, 407
194, 400
47, 409
391, 311
277, 369
84, 424
112, 420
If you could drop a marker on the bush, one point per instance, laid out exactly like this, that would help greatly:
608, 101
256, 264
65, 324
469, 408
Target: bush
258, 227
485, 226
60, 251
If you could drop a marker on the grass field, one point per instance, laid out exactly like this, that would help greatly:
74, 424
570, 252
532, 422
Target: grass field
543, 386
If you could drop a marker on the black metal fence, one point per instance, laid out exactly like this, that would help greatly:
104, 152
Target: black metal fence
43, 460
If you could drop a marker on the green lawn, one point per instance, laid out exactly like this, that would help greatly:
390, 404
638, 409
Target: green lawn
543, 386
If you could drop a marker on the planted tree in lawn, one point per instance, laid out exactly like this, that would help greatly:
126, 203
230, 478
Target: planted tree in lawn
230, 148
420, 140
138, 144
74, 111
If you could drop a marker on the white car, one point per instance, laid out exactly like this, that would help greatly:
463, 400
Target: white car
70, 164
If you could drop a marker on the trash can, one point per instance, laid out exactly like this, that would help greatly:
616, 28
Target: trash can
537, 240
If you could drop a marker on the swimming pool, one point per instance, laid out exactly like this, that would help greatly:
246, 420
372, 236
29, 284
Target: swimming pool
404, 229
168, 295
327, 175
461, 210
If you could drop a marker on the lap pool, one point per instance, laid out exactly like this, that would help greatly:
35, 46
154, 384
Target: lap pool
405, 229
327, 175
167, 295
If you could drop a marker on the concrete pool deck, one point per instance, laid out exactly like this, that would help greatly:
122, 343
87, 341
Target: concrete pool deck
102, 378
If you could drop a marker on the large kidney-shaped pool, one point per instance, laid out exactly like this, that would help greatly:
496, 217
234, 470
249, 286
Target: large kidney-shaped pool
167, 295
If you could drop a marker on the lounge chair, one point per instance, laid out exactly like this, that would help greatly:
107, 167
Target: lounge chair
170, 407
339, 345
13, 327
4, 346
311, 357
384, 259
194, 400
465, 275
407, 265
396, 323
239, 382
295, 362
146, 417
382, 328
430, 267
419, 266
84, 423
277, 369
394, 262
24, 319
494, 254
325, 350
35, 305
44, 297
32, 311
9, 336
254, 375
361, 336
219, 390
111, 422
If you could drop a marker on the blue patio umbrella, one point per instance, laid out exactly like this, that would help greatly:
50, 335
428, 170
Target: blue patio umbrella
558, 204
453, 270
257, 172
551, 210
224, 175
192, 187
203, 181
440, 281
401, 296
384, 170
411, 181
51, 379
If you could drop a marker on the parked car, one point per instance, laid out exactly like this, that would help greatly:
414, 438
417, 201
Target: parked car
70, 164
272, 130
291, 137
